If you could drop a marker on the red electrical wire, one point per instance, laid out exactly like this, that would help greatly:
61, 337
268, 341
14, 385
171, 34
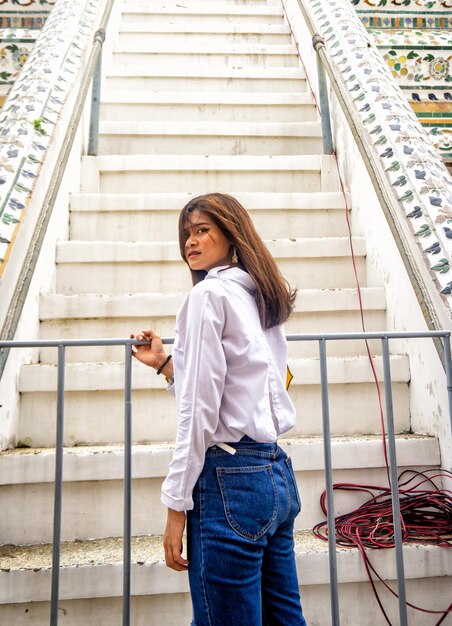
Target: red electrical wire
425, 509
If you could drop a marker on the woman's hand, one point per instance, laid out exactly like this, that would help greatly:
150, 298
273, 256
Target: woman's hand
172, 540
151, 354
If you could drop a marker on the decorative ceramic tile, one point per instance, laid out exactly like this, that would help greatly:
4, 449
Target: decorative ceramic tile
402, 6
16, 6
33, 106
15, 46
26, 21
421, 184
24, 13
408, 21
417, 58
421, 62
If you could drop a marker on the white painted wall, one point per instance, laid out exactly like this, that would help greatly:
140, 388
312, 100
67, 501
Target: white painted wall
428, 392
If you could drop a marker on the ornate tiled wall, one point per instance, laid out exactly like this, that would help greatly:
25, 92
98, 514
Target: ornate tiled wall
33, 106
416, 177
20, 23
415, 38
24, 13
15, 46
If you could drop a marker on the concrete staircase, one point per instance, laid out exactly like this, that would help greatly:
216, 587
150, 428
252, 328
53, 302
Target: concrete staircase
201, 96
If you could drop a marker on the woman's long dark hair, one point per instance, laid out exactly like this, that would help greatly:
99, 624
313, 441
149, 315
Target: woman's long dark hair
274, 296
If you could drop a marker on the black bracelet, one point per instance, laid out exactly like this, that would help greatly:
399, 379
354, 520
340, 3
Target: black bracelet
167, 360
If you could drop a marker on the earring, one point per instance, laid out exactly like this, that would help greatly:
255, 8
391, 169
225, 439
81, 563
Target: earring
235, 258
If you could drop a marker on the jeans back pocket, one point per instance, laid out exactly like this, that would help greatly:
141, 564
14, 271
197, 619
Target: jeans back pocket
250, 499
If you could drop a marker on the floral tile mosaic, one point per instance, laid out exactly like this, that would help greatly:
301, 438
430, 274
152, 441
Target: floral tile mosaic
421, 62
405, 14
417, 59
15, 46
420, 182
30, 113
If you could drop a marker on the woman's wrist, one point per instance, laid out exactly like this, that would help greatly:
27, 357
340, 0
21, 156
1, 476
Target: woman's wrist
165, 366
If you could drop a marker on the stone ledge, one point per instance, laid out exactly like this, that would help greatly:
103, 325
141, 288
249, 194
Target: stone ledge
153, 305
94, 568
110, 375
175, 201
164, 27
213, 129
190, 71
146, 252
84, 463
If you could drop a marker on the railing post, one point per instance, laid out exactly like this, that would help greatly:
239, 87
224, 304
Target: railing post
317, 42
127, 485
448, 368
95, 98
56, 547
394, 485
335, 620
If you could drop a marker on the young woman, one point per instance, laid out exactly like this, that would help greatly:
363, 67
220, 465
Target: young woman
228, 479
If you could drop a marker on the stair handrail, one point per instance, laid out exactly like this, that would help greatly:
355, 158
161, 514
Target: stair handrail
17, 302
431, 297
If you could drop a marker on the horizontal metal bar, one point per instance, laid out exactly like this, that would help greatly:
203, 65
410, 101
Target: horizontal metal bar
54, 343
49, 343
369, 335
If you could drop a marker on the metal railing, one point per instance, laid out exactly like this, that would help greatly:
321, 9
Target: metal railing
322, 339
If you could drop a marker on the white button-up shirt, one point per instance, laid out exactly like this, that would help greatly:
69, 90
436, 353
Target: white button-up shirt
229, 376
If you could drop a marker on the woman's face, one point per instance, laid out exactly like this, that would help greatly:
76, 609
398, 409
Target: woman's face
206, 246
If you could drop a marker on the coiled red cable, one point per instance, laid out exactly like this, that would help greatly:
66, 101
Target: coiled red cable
426, 517
425, 508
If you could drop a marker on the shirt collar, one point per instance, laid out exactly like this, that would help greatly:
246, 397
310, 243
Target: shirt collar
226, 272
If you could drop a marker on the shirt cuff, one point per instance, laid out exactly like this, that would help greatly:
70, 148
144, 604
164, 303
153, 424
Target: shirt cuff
171, 387
178, 504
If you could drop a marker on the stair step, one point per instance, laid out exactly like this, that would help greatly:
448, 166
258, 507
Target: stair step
316, 310
88, 306
191, 78
203, 174
176, 3
211, 15
198, 28
207, 106
213, 55
94, 475
199, 8
131, 267
198, 33
243, 49
110, 376
93, 569
213, 138
169, 202
94, 401
97, 223
203, 6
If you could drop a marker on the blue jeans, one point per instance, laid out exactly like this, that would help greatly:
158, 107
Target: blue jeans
240, 539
